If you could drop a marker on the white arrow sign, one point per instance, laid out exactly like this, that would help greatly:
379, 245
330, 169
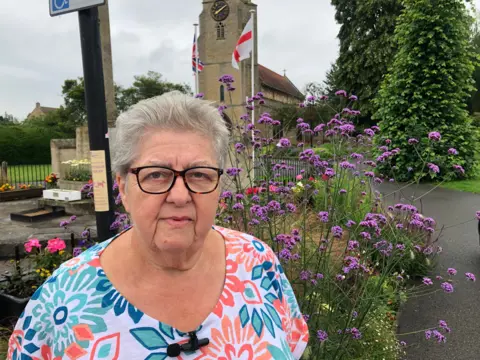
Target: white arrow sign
59, 7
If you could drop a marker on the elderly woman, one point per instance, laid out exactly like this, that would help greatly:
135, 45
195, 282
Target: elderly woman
174, 285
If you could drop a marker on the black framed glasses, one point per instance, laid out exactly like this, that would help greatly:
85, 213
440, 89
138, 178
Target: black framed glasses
159, 179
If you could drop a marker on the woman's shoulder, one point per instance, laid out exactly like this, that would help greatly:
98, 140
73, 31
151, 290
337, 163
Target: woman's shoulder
247, 248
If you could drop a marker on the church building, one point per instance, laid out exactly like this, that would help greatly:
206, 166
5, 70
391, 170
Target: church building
221, 24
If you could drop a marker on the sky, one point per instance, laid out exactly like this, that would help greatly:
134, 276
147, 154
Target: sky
38, 52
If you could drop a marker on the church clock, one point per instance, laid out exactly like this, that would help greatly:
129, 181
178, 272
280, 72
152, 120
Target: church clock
220, 10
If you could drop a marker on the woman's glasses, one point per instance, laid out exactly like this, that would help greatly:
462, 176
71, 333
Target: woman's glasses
159, 179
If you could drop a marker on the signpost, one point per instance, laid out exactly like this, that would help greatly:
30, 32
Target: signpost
96, 107
59, 7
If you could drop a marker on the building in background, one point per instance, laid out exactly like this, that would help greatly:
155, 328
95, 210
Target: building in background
40, 111
221, 24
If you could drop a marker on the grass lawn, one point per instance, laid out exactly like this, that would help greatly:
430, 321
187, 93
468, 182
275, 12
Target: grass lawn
28, 173
471, 185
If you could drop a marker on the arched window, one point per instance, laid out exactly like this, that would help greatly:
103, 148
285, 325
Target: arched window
220, 31
222, 93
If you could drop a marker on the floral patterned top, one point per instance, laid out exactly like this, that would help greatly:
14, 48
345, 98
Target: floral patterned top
78, 314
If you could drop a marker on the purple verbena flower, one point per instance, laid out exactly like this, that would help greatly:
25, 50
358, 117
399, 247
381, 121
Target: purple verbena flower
323, 216
226, 79
433, 168
434, 136
452, 151
427, 281
470, 277
337, 231
447, 287
233, 171
452, 271
284, 142
322, 336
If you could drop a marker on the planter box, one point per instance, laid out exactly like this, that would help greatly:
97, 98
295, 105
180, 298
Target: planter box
64, 195
71, 185
33, 215
11, 308
20, 194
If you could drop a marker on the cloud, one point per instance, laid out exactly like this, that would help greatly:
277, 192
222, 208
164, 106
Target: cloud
39, 52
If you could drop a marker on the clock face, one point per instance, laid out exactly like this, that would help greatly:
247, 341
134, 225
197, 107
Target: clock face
220, 10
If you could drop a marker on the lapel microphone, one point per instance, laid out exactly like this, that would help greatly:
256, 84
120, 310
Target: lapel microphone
174, 350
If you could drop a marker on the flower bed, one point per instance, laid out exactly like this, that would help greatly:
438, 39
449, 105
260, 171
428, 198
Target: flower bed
348, 257
22, 191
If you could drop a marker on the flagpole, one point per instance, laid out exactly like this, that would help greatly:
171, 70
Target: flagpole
197, 84
252, 12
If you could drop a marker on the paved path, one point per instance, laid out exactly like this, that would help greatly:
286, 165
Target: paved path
13, 233
461, 251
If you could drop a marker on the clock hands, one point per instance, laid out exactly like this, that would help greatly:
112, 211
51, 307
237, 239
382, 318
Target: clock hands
219, 10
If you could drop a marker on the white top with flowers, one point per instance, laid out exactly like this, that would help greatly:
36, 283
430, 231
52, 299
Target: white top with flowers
78, 314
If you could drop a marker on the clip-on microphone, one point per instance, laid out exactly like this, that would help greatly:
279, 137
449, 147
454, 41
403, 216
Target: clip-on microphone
174, 350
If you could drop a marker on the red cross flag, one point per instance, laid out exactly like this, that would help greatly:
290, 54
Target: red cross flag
244, 45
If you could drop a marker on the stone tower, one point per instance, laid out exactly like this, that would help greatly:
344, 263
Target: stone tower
221, 24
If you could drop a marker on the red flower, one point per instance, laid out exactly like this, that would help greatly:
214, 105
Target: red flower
325, 177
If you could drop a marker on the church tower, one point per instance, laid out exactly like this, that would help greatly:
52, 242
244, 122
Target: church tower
221, 24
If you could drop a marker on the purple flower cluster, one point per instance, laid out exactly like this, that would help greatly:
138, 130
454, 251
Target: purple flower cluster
239, 147
434, 136
347, 165
227, 79
322, 336
323, 216
233, 171
337, 231
284, 142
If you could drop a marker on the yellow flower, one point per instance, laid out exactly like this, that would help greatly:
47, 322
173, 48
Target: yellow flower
34, 287
61, 252
37, 271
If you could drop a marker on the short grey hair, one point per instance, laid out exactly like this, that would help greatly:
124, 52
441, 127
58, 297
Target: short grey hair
171, 111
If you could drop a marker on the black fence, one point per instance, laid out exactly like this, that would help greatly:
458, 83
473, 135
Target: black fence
288, 169
24, 175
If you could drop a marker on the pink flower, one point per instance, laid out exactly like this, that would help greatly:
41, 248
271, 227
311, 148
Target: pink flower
55, 245
30, 244
299, 177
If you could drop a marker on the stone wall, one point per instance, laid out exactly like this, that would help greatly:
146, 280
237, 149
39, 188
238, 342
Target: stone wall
62, 150
83, 144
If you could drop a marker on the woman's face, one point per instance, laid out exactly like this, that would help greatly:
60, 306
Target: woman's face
155, 217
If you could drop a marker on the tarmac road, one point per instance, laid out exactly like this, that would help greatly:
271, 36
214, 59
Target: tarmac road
461, 250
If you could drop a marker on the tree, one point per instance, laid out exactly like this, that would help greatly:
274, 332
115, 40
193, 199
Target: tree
73, 92
427, 88
145, 87
474, 101
8, 119
366, 48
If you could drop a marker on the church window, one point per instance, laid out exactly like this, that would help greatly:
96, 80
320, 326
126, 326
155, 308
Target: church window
222, 93
220, 31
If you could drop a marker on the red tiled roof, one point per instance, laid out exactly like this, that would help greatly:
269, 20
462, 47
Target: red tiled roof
278, 82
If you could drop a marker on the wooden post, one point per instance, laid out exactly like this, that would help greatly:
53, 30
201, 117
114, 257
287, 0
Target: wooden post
4, 173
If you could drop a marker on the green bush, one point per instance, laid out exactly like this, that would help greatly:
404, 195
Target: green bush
21, 144
426, 90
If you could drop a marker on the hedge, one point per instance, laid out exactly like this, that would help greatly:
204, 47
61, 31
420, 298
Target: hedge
20, 144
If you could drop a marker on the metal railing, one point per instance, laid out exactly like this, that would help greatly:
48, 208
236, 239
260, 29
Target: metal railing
24, 175
287, 168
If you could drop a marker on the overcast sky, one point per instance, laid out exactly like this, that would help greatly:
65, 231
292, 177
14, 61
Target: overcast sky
38, 52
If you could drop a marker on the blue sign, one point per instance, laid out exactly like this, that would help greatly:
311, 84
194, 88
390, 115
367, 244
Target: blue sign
59, 7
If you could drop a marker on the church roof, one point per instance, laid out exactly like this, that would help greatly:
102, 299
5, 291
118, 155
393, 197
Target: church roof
278, 82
